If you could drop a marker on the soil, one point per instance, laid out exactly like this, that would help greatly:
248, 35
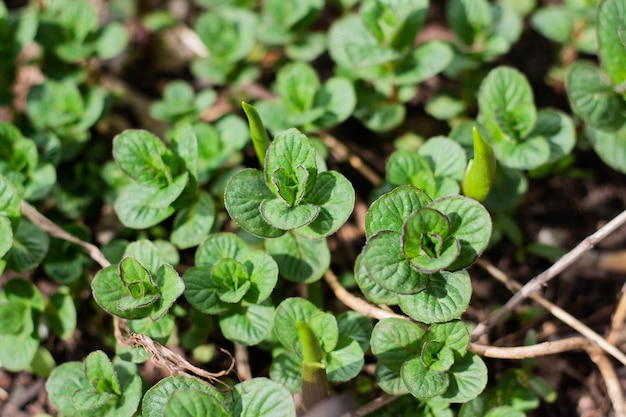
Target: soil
567, 206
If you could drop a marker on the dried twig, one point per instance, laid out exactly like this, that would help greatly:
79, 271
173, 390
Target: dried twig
52, 229
242, 362
619, 317
517, 352
536, 283
613, 385
556, 311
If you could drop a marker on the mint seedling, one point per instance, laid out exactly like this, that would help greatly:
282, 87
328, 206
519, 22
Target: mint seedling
427, 363
290, 194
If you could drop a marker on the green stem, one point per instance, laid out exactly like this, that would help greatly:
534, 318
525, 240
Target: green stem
314, 379
260, 138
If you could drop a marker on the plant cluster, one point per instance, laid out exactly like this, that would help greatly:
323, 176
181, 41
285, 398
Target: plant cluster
199, 244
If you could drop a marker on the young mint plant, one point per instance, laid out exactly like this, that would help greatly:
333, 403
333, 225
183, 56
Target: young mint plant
378, 47
97, 387
290, 193
427, 363
304, 102
136, 289
229, 35
70, 33
484, 31
234, 282
21, 164
521, 136
571, 24
597, 94
436, 168
416, 247
180, 104
288, 23
163, 180
341, 355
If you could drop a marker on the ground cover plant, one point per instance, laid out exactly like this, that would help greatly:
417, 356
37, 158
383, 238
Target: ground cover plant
307, 207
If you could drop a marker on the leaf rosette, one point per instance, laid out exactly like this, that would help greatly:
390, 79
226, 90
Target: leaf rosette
290, 194
417, 248
131, 291
428, 363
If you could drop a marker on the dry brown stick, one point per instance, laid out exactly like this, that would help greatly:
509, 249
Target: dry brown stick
517, 352
613, 385
371, 406
537, 282
341, 152
52, 229
619, 317
557, 312
242, 362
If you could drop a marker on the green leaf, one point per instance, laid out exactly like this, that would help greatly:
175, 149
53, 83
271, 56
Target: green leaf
468, 378
192, 403
112, 40
147, 253
395, 341
424, 232
593, 99
248, 325
470, 223
218, 246
260, 397
100, 374
611, 23
202, 292
555, 23
481, 170
61, 314
334, 195
17, 351
355, 326
338, 99
281, 215
299, 259
232, 279
387, 265
263, 275
242, 198
452, 334
108, 289
297, 84
421, 381
16, 318
30, 246
9, 201
468, 18
156, 399
445, 297
389, 211
370, 288
427, 60
6, 235
25, 292
445, 157
134, 209
390, 381
170, 286
534, 151
506, 103
345, 361
260, 138
290, 153
185, 146
193, 222
558, 129
610, 146
144, 158
290, 312
286, 369
406, 167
